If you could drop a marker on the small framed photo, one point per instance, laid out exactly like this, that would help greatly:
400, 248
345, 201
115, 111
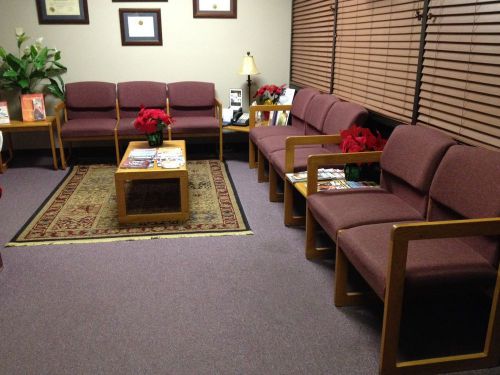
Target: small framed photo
214, 9
235, 98
33, 107
141, 27
62, 12
4, 114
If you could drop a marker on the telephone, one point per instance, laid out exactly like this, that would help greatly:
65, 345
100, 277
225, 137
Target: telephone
237, 114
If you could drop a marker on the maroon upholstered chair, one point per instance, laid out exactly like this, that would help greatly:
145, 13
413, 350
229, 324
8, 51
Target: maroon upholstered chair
298, 112
457, 248
341, 116
89, 114
408, 164
195, 110
131, 95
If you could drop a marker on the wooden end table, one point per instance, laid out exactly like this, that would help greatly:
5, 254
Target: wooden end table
122, 175
27, 126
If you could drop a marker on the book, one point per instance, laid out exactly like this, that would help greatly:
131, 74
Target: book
142, 154
138, 164
343, 184
4, 113
33, 107
323, 174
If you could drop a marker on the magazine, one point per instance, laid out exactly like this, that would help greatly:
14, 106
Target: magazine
33, 107
323, 174
142, 154
4, 113
139, 164
343, 184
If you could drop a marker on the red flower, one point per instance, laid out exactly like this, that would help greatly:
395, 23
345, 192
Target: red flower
358, 139
269, 92
152, 120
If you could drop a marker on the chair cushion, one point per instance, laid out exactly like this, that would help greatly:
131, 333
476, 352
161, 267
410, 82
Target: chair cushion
413, 153
191, 94
301, 101
277, 158
318, 108
131, 95
268, 131
195, 124
97, 127
126, 127
350, 208
91, 94
431, 263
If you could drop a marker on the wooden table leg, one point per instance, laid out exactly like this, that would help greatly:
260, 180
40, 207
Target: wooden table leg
53, 147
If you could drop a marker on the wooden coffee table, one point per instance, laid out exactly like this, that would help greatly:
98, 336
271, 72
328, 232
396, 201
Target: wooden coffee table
124, 175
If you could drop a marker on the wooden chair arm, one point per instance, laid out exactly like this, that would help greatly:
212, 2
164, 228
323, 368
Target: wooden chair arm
315, 161
218, 111
265, 107
60, 107
296, 140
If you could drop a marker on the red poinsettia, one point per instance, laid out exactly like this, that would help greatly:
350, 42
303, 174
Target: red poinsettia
358, 139
269, 93
150, 121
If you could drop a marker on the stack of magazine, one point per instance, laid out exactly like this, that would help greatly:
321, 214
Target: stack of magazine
166, 157
343, 184
323, 174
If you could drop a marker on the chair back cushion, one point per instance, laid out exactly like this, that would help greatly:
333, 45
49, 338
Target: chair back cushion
299, 107
131, 95
343, 115
467, 186
409, 161
316, 113
191, 98
91, 100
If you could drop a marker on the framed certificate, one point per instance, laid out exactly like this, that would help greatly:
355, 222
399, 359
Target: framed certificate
62, 11
214, 8
141, 27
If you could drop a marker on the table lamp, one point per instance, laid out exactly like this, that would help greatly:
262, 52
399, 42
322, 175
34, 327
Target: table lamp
248, 68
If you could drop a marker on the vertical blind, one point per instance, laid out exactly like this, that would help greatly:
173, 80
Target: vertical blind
376, 54
460, 91
312, 44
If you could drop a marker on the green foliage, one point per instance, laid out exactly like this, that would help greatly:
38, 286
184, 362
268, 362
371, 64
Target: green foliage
32, 66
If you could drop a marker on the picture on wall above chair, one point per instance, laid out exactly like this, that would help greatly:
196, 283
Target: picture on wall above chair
141, 27
62, 12
214, 9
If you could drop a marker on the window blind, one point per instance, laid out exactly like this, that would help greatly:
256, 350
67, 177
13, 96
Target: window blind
377, 54
312, 44
460, 90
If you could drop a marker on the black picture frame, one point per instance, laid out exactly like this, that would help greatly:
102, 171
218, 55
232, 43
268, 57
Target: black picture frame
146, 17
199, 12
61, 16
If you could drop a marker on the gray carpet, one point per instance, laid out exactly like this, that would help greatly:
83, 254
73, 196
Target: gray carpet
229, 305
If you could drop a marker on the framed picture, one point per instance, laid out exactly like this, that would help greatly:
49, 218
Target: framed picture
214, 9
4, 114
235, 98
33, 107
141, 27
62, 11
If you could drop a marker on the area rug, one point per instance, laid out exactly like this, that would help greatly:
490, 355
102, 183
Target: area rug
83, 208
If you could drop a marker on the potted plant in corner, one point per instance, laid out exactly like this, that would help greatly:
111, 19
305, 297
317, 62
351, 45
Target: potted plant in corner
33, 65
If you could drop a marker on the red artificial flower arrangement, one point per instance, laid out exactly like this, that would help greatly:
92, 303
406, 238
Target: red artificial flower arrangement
358, 139
150, 121
269, 94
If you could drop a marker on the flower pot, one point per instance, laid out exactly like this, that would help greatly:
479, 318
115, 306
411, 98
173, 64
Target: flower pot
155, 139
363, 172
352, 172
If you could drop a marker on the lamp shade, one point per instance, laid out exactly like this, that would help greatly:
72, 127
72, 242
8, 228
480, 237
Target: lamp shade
248, 66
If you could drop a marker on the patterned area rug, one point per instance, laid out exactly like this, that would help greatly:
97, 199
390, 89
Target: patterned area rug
83, 208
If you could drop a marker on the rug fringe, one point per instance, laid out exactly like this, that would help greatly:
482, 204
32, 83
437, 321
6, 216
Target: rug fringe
136, 238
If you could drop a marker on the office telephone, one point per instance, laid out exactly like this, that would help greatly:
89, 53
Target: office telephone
237, 114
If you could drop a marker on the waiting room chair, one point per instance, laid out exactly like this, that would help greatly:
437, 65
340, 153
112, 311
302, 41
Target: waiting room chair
89, 114
195, 110
131, 95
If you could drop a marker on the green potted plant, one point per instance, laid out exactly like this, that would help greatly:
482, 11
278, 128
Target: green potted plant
33, 65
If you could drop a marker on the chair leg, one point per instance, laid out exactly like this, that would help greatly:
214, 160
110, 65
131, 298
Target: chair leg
274, 195
1, 262
313, 252
64, 165
261, 168
251, 154
342, 297
221, 149
290, 219
117, 150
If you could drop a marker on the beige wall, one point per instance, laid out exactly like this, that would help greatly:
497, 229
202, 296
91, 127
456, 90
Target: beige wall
193, 49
